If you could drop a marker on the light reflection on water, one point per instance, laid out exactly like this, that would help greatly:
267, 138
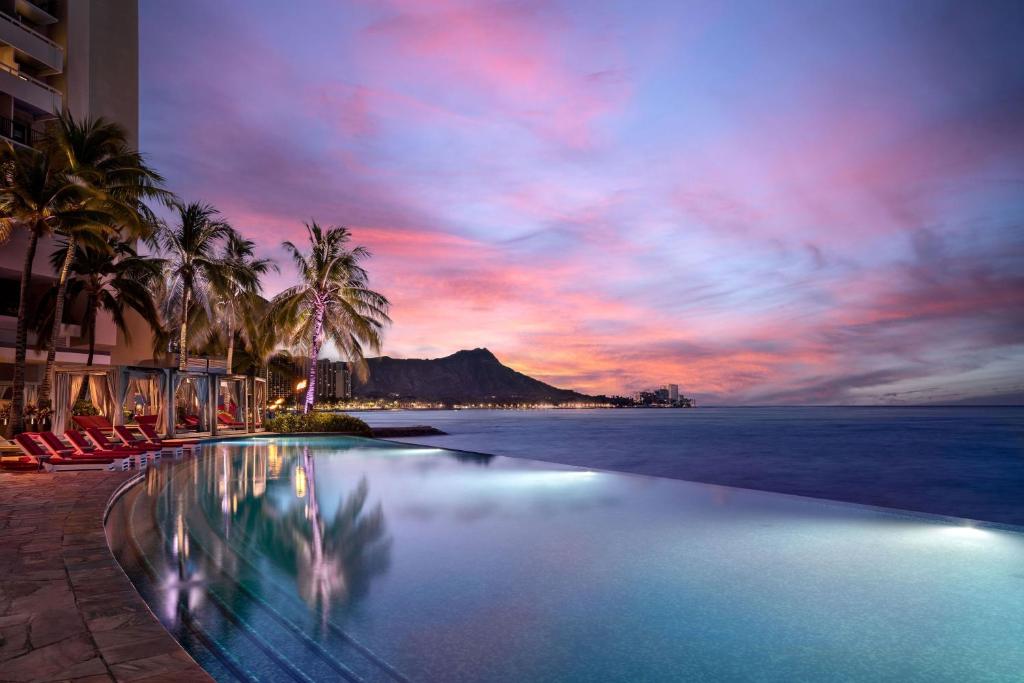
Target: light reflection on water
346, 558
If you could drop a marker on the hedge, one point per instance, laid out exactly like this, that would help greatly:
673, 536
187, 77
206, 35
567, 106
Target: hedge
290, 423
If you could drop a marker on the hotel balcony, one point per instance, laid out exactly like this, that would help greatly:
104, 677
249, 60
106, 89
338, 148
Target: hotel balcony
18, 132
30, 44
29, 90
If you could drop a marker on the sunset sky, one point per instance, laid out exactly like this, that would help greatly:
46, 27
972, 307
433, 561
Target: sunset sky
764, 202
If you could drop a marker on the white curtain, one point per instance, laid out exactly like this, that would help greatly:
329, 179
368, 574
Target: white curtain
99, 394
122, 394
260, 401
61, 401
202, 386
110, 380
31, 394
76, 382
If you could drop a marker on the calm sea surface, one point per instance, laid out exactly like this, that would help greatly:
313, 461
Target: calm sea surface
963, 461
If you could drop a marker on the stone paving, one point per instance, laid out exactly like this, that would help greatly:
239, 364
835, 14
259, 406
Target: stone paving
67, 610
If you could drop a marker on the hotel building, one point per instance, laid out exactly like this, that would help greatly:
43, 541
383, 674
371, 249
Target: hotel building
333, 380
81, 55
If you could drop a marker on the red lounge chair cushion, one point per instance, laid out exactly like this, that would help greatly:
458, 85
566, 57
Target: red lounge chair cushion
151, 434
85, 448
29, 445
53, 444
106, 444
19, 462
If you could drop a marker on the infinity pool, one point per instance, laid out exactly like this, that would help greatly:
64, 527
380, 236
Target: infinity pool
347, 559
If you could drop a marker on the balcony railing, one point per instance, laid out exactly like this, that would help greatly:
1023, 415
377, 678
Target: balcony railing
16, 130
214, 366
55, 58
33, 91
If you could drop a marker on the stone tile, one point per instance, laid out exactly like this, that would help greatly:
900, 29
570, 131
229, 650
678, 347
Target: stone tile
59, 585
178, 665
54, 661
140, 648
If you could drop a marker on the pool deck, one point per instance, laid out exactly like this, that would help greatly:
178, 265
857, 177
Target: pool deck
68, 612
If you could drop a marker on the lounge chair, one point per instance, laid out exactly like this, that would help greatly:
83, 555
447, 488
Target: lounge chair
192, 445
92, 421
19, 463
229, 421
129, 438
52, 443
65, 459
99, 438
82, 446
189, 422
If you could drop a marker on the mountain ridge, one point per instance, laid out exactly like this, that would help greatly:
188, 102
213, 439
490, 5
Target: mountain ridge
466, 375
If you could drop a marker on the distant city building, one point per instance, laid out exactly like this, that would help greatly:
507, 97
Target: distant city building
333, 380
283, 373
667, 396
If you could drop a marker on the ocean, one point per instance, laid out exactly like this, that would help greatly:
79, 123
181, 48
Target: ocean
958, 461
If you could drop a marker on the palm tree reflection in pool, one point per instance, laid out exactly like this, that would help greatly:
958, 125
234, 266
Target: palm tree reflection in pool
333, 559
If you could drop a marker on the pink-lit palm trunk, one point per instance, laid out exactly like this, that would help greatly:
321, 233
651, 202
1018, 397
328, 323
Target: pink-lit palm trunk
314, 354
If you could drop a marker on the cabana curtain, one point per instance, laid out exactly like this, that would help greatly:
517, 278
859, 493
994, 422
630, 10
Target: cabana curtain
61, 401
259, 401
100, 395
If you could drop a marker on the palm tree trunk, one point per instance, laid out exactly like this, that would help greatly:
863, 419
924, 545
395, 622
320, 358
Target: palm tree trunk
183, 333
231, 350
314, 354
90, 320
16, 420
58, 316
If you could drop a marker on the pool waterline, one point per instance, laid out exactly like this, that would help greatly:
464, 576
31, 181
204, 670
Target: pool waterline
439, 554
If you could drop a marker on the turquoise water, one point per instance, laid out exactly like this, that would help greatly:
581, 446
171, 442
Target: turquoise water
337, 558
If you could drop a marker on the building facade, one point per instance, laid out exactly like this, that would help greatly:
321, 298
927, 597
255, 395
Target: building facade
333, 380
81, 55
284, 373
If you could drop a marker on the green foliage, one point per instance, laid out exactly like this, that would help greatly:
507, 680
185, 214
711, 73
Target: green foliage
292, 423
83, 407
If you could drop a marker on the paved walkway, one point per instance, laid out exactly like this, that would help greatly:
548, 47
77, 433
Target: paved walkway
67, 610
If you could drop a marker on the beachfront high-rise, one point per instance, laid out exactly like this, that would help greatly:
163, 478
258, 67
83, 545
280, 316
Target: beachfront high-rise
81, 55
334, 380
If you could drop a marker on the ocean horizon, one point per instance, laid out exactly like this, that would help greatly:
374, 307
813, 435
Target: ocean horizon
959, 461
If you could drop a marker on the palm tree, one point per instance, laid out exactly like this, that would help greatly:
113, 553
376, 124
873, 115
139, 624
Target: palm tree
113, 280
237, 294
38, 197
193, 266
96, 153
332, 302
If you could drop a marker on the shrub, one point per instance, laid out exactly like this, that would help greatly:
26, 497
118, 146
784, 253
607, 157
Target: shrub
292, 423
83, 407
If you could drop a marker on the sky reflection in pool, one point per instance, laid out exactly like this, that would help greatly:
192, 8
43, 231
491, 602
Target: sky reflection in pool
335, 557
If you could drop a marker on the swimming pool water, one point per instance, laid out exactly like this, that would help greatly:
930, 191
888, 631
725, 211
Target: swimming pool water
348, 559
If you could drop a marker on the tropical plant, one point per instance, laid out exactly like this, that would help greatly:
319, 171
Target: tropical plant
193, 266
332, 302
96, 153
236, 296
39, 197
293, 423
114, 280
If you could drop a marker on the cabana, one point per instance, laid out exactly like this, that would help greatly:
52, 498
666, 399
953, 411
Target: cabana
142, 395
233, 402
100, 386
193, 403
